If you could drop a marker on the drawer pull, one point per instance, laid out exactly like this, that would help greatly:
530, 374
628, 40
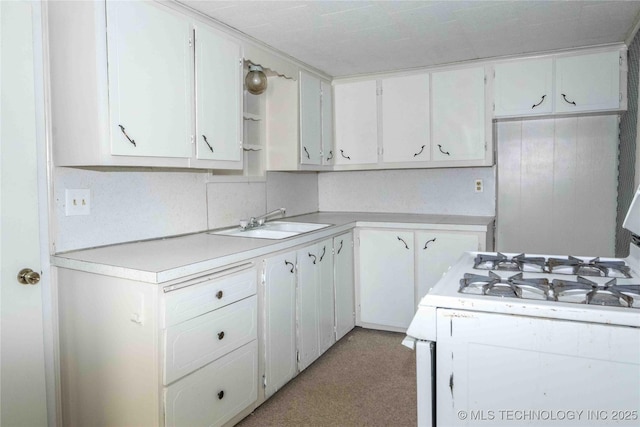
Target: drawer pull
312, 256
402, 240
340, 248
219, 294
541, 101
324, 251
442, 151
220, 335
220, 394
566, 100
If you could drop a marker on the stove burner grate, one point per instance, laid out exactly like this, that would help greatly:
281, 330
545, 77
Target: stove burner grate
594, 267
517, 263
514, 287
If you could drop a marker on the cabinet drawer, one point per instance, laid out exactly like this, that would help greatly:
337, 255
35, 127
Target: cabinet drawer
201, 340
213, 293
216, 393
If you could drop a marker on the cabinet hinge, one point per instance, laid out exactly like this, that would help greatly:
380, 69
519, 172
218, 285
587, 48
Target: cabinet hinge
380, 151
620, 97
485, 79
264, 381
190, 42
192, 139
378, 91
263, 277
297, 356
620, 60
494, 106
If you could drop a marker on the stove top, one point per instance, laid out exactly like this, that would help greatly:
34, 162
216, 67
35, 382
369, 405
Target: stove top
580, 291
588, 289
559, 265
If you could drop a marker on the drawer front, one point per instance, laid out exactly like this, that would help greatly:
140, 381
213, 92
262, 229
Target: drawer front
201, 340
217, 392
187, 303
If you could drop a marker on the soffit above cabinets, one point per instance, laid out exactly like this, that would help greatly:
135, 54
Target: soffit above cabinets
345, 38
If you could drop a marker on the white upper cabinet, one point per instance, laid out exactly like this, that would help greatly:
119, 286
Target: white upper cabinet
310, 120
524, 88
328, 153
219, 97
150, 78
405, 119
356, 122
124, 90
588, 82
458, 115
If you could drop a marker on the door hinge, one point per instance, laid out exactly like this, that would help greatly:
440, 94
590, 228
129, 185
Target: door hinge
451, 384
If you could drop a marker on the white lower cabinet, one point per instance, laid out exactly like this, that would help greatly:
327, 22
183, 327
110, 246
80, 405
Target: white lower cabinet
280, 321
436, 251
343, 284
308, 303
216, 393
397, 267
386, 278
179, 354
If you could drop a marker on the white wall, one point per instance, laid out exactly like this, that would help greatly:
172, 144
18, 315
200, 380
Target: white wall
423, 191
129, 205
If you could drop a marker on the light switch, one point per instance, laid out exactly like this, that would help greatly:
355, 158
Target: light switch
77, 202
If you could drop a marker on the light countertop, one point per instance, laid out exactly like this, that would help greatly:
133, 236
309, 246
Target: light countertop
167, 259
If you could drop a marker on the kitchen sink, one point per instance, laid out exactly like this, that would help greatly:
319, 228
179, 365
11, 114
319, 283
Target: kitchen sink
272, 230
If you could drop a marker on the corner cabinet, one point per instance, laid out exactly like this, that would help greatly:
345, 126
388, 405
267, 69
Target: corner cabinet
398, 266
124, 90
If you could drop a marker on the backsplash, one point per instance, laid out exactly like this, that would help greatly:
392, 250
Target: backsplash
424, 191
138, 204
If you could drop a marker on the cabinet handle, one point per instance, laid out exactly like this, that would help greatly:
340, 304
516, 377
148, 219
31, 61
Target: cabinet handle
330, 155
340, 248
324, 251
427, 243
402, 240
342, 154
442, 151
125, 134
220, 335
312, 256
289, 263
541, 101
566, 100
219, 294
419, 152
252, 149
220, 394
207, 142
306, 151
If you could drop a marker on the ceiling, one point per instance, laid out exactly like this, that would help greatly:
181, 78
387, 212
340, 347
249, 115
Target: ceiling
354, 37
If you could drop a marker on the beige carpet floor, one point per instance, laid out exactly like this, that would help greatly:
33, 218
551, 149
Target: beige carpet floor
366, 379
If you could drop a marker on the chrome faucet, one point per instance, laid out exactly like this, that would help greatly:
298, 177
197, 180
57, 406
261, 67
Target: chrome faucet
259, 220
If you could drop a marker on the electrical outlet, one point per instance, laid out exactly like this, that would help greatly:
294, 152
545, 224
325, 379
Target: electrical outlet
479, 186
77, 202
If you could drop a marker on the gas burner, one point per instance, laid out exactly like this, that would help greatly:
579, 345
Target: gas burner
517, 263
584, 291
594, 267
513, 287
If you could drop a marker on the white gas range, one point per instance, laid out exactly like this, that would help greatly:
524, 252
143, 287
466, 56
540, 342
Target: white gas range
520, 339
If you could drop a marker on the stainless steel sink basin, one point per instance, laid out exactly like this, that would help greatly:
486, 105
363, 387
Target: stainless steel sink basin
272, 230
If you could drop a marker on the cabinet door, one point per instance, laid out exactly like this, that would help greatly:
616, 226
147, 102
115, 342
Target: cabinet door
216, 393
326, 303
356, 123
523, 88
280, 321
588, 82
328, 152
310, 120
405, 119
343, 279
436, 252
308, 340
150, 80
386, 287
458, 106
219, 97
